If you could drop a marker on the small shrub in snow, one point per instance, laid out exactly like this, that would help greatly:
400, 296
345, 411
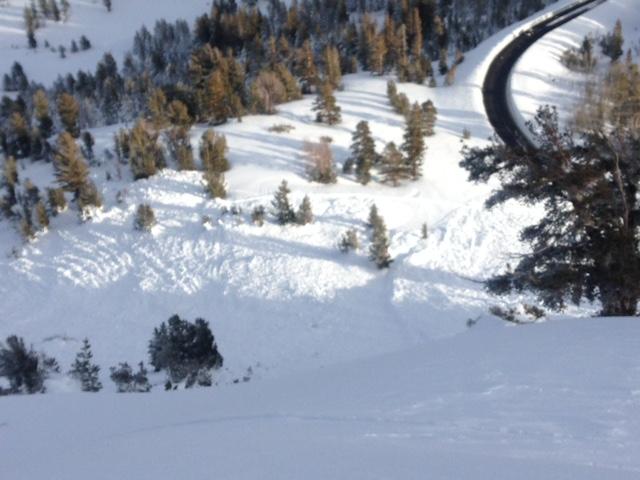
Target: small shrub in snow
305, 213
281, 128
25, 369
349, 241
145, 218
424, 231
215, 184
84, 370
183, 349
466, 134
522, 314
57, 200
129, 382
257, 215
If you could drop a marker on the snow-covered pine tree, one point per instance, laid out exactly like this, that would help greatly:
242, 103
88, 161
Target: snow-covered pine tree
84, 370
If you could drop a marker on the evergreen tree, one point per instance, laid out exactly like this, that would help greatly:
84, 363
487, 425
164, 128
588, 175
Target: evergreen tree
84, 370
9, 182
393, 167
71, 170
146, 155
282, 207
183, 349
66, 9
430, 116
107, 5
585, 246
374, 217
349, 241
157, 105
332, 70
379, 249
145, 218
414, 146
55, 10
179, 143
363, 152
305, 213
42, 215
25, 369
307, 67
41, 113
612, 43
127, 381
178, 115
88, 142
326, 107
69, 113
213, 152
215, 184
56, 200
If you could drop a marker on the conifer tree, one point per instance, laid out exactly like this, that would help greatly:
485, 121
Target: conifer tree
414, 146
107, 5
349, 241
178, 115
180, 148
612, 43
363, 152
267, 91
377, 54
429, 115
217, 102
55, 10
305, 213
325, 106
374, 216
307, 67
282, 207
19, 136
146, 155
379, 249
215, 184
9, 182
84, 370
213, 152
69, 112
56, 200
157, 105
42, 215
332, 70
71, 170
88, 142
41, 113
145, 218
393, 167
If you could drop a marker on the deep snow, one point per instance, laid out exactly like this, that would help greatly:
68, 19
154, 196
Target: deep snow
358, 373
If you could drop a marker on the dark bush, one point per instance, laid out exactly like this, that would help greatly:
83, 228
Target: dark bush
183, 349
25, 369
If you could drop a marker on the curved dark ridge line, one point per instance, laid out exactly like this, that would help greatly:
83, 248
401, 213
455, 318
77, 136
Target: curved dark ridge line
495, 90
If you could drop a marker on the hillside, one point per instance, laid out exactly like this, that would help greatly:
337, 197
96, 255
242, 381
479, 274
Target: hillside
350, 371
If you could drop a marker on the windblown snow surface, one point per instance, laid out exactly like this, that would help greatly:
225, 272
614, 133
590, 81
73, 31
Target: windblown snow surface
357, 373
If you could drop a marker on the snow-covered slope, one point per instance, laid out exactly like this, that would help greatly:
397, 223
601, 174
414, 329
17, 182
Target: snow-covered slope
282, 297
496, 403
541, 79
108, 32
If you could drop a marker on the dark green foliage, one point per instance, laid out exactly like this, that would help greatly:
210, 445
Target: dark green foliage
25, 369
613, 42
379, 249
145, 218
183, 348
129, 382
84, 370
429, 117
414, 146
363, 152
282, 207
585, 246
